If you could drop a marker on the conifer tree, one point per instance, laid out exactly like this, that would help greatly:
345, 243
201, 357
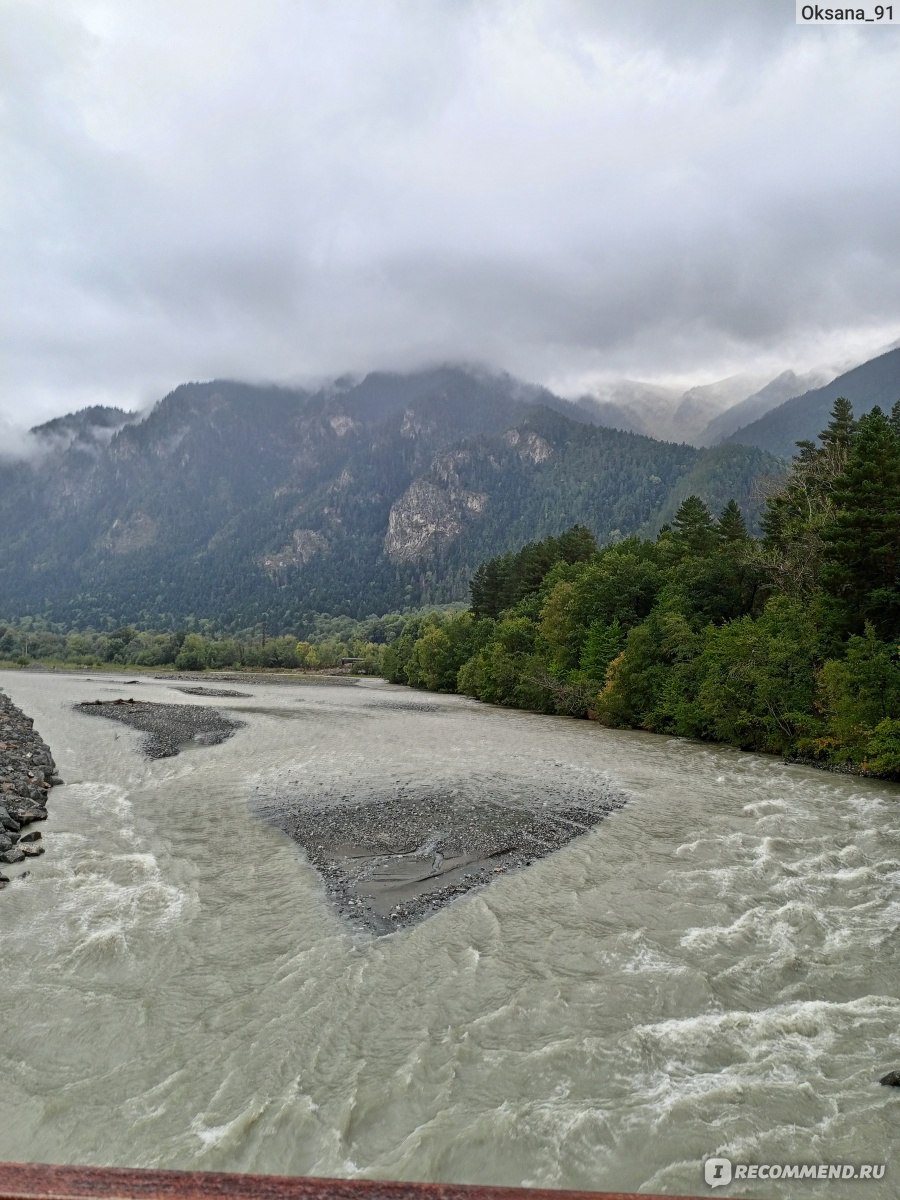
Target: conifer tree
862, 538
577, 544
731, 526
693, 526
839, 431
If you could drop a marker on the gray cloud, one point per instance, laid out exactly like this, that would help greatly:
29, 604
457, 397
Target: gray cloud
564, 188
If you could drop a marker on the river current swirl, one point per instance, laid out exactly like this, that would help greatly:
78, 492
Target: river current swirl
712, 970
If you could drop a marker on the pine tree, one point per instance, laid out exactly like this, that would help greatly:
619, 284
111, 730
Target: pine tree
478, 590
838, 433
731, 527
862, 538
797, 514
693, 527
577, 544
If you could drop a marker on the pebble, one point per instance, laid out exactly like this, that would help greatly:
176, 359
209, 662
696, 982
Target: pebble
430, 829
168, 726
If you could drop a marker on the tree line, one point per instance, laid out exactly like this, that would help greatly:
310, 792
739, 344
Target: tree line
788, 643
322, 642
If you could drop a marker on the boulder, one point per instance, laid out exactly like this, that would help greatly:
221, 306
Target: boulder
25, 811
32, 849
7, 822
14, 855
892, 1079
34, 836
8, 840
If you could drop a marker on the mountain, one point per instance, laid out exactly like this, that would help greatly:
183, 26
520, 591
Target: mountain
234, 503
631, 406
88, 427
784, 387
801, 418
699, 405
666, 412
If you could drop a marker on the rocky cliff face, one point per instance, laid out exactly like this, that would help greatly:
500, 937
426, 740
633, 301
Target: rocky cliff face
428, 516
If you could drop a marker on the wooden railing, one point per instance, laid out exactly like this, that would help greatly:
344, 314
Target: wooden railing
34, 1181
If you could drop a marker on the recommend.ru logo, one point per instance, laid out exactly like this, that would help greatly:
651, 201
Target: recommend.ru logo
719, 1172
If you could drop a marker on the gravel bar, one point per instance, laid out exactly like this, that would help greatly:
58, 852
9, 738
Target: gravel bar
169, 727
390, 860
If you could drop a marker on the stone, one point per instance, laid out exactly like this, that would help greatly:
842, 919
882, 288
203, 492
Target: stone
8, 822
34, 836
8, 840
25, 811
14, 855
32, 849
892, 1079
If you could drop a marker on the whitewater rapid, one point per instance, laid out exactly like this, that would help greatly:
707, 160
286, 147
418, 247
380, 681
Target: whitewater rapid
712, 970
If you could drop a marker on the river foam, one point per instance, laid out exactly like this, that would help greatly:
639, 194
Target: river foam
710, 970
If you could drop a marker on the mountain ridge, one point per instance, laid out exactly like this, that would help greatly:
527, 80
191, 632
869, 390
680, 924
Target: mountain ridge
228, 500
876, 381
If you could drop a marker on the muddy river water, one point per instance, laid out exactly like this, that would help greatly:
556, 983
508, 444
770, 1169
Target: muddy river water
713, 969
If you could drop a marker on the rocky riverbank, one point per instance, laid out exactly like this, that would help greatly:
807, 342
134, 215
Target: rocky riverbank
169, 727
27, 772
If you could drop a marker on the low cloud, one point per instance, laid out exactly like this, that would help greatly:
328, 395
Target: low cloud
567, 190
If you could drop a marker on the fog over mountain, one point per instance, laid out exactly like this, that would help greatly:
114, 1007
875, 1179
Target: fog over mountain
227, 501
784, 387
578, 191
801, 417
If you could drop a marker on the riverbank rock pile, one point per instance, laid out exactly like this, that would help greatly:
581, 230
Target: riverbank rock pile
391, 859
169, 727
27, 772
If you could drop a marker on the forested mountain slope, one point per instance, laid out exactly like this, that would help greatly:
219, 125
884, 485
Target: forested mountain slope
229, 501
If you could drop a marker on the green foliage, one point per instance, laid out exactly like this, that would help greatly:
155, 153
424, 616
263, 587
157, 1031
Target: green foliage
758, 678
437, 655
786, 645
603, 643
508, 579
858, 693
883, 749
193, 655
862, 533
693, 532
731, 526
195, 651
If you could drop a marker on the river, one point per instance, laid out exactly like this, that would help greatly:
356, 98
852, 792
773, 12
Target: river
711, 970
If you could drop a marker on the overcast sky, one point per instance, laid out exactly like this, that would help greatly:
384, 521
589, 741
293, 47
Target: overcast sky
568, 189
